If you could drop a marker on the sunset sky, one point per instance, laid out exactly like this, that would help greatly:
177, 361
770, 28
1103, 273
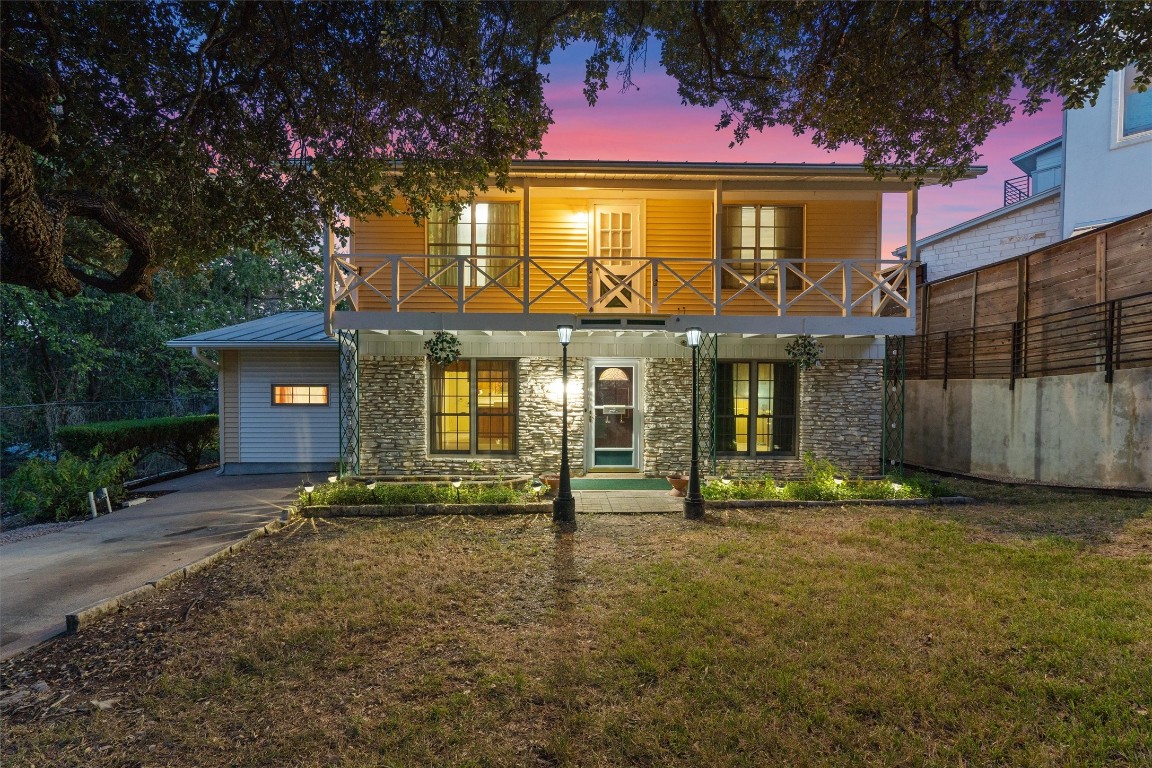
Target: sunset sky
651, 124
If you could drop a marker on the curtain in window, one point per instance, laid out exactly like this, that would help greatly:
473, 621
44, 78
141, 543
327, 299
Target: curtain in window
488, 234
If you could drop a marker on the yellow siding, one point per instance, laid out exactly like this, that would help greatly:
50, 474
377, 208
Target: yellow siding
387, 234
559, 239
229, 406
680, 230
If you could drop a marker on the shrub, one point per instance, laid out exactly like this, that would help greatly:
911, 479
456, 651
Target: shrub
352, 493
184, 438
824, 481
58, 490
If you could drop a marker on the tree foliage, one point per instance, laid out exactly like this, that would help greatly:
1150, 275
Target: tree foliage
188, 129
98, 346
137, 135
917, 85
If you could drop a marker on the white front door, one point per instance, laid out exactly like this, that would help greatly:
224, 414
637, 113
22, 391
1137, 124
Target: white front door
613, 415
617, 247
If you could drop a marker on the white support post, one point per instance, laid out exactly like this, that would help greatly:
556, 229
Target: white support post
329, 283
718, 248
527, 242
913, 253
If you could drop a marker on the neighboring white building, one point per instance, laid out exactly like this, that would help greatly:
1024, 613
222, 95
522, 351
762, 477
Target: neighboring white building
1098, 172
1108, 157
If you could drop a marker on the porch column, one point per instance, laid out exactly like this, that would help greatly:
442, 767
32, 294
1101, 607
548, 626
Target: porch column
717, 245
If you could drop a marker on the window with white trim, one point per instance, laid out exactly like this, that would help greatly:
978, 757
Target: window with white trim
472, 407
487, 233
1136, 105
755, 235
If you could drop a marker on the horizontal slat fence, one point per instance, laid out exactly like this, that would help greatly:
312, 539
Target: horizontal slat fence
1100, 337
1083, 304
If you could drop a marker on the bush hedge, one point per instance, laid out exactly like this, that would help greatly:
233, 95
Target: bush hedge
184, 438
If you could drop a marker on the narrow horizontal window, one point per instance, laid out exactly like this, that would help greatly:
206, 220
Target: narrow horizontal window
299, 394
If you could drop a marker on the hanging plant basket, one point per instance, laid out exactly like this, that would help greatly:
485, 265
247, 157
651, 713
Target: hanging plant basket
443, 348
805, 351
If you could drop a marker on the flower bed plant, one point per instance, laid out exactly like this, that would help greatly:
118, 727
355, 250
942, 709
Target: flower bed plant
345, 493
823, 481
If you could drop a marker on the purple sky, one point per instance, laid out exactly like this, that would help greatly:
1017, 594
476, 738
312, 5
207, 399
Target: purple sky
652, 124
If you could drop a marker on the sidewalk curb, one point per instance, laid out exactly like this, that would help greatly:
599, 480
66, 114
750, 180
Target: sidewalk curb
86, 617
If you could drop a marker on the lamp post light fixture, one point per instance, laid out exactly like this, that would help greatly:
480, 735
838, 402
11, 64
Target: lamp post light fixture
564, 505
308, 488
456, 482
694, 502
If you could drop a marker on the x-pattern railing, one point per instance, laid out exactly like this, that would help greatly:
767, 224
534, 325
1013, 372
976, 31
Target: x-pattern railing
653, 284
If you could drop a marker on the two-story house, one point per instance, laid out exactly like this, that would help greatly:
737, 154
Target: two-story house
631, 255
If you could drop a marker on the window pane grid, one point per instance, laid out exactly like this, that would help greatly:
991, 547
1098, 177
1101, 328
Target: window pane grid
473, 407
758, 234
300, 394
756, 408
487, 233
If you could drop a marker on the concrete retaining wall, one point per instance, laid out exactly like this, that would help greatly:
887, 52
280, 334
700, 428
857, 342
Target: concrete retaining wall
1065, 430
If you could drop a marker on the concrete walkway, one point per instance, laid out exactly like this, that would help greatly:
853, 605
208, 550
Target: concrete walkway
626, 502
43, 579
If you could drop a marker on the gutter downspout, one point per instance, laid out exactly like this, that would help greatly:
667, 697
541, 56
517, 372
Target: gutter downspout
206, 360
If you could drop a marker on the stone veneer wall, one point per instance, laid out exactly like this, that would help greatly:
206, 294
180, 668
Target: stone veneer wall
840, 419
394, 413
668, 416
841, 415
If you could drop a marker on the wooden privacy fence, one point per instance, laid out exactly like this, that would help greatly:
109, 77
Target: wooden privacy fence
1101, 337
1083, 304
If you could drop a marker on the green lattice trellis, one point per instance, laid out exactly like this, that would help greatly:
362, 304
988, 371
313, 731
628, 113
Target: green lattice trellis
349, 402
706, 402
892, 445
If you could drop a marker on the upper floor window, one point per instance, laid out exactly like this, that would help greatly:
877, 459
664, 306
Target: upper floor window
473, 407
756, 408
754, 235
488, 234
1137, 105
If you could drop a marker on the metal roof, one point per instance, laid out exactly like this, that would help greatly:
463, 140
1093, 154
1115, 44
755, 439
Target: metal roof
295, 329
607, 170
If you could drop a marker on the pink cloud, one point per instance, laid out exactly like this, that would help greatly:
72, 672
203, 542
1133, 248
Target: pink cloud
652, 124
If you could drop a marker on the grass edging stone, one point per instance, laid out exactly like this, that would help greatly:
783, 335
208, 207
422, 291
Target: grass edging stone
764, 503
409, 510
85, 617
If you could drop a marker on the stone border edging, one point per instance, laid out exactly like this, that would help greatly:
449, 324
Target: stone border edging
768, 503
409, 510
85, 617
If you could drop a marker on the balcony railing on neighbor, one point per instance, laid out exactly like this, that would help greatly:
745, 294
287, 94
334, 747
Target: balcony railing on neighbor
1101, 337
545, 284
1017, 189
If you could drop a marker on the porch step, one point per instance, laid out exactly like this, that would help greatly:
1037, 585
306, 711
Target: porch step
615, 476
620, 484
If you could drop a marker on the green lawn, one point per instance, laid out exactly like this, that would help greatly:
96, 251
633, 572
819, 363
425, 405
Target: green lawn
862, 637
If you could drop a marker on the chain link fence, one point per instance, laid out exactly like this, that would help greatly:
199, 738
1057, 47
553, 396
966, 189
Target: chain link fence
28, 431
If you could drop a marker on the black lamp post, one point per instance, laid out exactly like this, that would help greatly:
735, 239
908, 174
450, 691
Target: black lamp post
694, 502
564, 505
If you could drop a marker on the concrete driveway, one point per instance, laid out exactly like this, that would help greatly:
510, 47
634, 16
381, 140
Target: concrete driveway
45, 578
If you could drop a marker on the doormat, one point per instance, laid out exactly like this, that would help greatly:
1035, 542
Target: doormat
599, 484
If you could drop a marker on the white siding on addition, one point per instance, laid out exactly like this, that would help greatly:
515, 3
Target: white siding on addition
284, 433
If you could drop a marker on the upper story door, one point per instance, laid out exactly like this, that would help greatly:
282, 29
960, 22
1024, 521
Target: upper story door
618, 277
